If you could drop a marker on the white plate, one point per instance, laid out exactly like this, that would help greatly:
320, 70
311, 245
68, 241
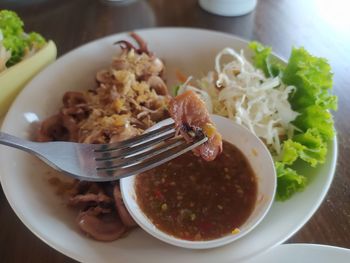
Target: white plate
304, 253
24, 179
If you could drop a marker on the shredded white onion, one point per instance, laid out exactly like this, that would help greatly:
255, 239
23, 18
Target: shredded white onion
202, 94
242, 93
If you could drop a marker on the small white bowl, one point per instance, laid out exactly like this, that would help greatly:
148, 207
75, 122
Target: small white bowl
261, 162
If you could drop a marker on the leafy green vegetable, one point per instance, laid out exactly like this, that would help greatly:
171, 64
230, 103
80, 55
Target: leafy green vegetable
261, 56
312, 78
316, 117
35, 40
291, 150
14, 38
175, 90
10, 23
315, 148
307, 146
262, 59
17, 47
11, 27
288, 182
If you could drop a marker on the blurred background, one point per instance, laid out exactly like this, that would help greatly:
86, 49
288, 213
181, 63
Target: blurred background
321, 26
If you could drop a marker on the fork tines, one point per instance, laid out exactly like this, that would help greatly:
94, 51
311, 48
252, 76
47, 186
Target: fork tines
136, 140
142, 153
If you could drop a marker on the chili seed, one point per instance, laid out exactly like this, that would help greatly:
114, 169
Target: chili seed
193, 217
164, 207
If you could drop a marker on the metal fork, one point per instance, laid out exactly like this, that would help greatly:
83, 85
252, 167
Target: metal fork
108, 162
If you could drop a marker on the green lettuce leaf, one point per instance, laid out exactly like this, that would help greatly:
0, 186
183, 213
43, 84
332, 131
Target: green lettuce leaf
17, 47
315, 150
307, 146
317, 118
313, 80
291, 151
263, 60
15, 39
312, 76
10, 23
288, 182
261, 56
35, 40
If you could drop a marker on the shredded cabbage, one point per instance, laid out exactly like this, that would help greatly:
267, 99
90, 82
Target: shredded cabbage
242, 93
201, 93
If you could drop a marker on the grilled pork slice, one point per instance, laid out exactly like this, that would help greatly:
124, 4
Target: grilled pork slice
192, 119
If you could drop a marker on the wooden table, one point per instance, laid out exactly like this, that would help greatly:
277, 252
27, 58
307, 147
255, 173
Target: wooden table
322, 27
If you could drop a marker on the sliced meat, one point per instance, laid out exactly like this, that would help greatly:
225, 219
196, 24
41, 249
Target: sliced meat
126, 45
76, 112
95, 137
102, 227
123, 213
119, 64
159, 114
52, 129
73, 98
104, 76
142, 44
191, 116
155, 115
89, 198
84, 187
127, 133
142, 62
158, 84
97, 210
72, 126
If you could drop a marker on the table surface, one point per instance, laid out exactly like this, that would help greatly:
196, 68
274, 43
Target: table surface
321, 28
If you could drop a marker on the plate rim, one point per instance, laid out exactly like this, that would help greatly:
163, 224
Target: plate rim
315, 245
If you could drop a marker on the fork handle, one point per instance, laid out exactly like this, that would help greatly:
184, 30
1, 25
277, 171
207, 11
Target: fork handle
16, 142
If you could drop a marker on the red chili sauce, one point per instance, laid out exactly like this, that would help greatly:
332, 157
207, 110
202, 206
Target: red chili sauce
192, 199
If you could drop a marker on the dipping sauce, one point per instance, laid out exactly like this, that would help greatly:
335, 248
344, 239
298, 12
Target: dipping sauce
192, 199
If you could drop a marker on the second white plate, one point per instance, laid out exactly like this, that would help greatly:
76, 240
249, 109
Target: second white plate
304, 253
